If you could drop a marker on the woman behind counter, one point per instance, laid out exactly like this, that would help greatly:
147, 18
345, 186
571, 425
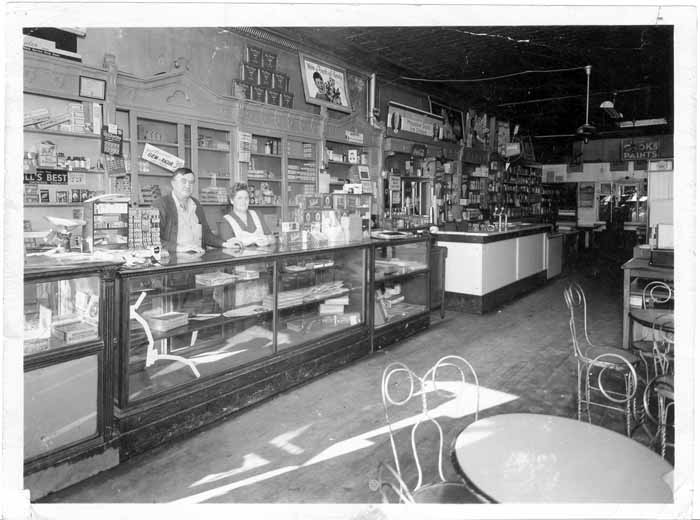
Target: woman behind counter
243, 223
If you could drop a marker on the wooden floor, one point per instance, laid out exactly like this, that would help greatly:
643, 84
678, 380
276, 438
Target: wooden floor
321, 442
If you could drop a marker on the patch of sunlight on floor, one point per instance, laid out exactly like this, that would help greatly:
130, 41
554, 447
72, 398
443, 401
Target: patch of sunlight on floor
250, 461
222, 490
461, 402
283, 441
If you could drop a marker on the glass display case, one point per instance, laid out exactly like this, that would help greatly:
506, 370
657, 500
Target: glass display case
187, 324
66, 362
401, 289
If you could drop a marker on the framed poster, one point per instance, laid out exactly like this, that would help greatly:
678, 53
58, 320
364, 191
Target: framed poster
452, 121
92, 87
324, 84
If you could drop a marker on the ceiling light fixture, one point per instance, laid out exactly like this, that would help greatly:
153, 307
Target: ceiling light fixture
609, 108
587, 130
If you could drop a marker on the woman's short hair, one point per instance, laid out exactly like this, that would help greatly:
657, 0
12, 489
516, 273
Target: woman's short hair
237, 186
317, 75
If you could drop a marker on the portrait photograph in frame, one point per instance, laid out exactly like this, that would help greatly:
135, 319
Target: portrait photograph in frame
452, 121
324, 84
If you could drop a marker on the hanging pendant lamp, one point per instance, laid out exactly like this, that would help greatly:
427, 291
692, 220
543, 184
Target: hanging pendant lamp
586, 130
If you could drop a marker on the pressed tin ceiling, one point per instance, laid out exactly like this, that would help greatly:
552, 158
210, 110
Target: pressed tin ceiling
631, 66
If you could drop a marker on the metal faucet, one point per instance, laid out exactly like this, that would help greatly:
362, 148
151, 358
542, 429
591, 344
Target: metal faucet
499, 214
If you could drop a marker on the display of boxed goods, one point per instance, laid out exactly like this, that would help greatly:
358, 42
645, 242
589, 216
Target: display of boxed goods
144, 228
246, 274
47, 154
306, 295
74, 332
311, 323
149, 193
329, 308
214, 278
107, 223
167, 321
213, 195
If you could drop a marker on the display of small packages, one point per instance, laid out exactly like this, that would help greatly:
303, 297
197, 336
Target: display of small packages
144, 228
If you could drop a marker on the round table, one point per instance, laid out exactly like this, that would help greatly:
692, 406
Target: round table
660, 319
524, 457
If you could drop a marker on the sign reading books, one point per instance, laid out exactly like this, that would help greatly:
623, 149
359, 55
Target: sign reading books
112, 139
639, 149
161, 158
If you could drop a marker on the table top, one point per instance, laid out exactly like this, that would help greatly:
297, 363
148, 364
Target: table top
661, 319
524, 457
641, 265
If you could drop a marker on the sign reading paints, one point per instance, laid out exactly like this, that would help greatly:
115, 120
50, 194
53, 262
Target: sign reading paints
640, 149
161, 158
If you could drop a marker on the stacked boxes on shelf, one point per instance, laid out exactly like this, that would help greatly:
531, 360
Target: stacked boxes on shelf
144, 228
149, 193
302, 172
85, 117
213, 195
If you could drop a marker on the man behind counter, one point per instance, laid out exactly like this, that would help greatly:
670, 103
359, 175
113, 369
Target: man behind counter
183, 225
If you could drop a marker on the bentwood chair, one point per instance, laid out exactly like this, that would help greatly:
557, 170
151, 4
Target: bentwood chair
601, 370
415, 395
658, 402
656, 347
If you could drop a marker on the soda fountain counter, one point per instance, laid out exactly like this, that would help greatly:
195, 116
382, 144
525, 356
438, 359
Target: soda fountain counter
486, 269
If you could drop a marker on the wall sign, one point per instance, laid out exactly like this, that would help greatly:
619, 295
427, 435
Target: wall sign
638, 149
324, 84
354, 137
161, 158
409, 119
661, 166
46, 176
